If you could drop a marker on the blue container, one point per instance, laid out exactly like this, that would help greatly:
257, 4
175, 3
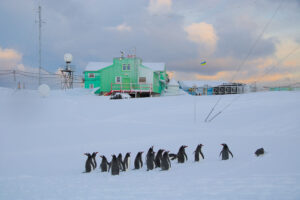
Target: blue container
210, 91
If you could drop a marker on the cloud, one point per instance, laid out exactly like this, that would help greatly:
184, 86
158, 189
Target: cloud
9, 58
179, 33
202, 34
159, 6
284, 48
121, 28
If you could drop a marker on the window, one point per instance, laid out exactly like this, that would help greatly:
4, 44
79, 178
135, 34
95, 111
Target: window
118, 79
91, 85
125, 67
142, 79
91, 75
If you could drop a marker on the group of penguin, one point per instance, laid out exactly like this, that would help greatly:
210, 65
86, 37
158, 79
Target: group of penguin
161, 159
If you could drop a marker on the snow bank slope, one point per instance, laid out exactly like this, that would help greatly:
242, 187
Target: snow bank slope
42, 141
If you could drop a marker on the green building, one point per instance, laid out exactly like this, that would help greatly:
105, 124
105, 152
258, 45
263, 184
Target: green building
126, 74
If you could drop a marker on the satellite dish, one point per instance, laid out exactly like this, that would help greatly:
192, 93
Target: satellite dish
68, 57
44, 90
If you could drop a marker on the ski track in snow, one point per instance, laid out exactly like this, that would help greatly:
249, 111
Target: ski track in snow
42, 141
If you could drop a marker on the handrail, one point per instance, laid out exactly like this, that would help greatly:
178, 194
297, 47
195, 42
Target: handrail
131, 87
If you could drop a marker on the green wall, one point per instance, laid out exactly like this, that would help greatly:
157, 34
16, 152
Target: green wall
104, 77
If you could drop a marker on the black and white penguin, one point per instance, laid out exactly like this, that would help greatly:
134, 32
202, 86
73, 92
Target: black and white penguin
198, 153
138, 162
259, 152
150, 157
104, 164
225, 152
181, 155
88, 162
126, 161
120, 159
158, 157
114, 166
165, 161
94, 163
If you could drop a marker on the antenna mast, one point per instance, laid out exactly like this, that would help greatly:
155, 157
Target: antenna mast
40, 42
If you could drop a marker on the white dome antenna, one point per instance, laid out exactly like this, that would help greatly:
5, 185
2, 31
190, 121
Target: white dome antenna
68, 58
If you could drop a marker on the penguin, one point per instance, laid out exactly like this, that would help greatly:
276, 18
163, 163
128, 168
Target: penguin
88, 163
104, 164
114, 166
121, 162
165, 161
126, 161
94, 163
198, 152
138, 162
225, 152
158, 157
259, 152
150, 159
181, 155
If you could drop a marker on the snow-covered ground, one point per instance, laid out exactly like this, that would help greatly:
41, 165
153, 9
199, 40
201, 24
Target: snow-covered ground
42, 141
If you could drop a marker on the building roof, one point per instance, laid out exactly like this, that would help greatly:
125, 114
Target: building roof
95, 66
155, 66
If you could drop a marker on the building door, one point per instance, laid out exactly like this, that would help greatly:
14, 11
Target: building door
125, 84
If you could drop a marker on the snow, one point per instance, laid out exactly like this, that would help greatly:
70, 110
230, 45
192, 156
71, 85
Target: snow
42, 141
155, 66
95, 66
173, 83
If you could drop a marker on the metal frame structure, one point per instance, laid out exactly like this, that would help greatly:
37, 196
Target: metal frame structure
230, 88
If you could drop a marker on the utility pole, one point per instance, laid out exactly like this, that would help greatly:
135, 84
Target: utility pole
40, 42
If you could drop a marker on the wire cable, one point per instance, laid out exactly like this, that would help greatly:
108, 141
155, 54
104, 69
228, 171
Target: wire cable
247, 56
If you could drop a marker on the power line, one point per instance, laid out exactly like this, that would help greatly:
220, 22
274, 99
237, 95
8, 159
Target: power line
279, 62
245, 59
238, 96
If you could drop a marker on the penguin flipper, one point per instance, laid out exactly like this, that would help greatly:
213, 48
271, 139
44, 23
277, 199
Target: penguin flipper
173, 156
202, 154
230, 153
109, 166
185, 156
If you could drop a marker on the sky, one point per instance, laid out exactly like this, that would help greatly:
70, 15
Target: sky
243, 41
